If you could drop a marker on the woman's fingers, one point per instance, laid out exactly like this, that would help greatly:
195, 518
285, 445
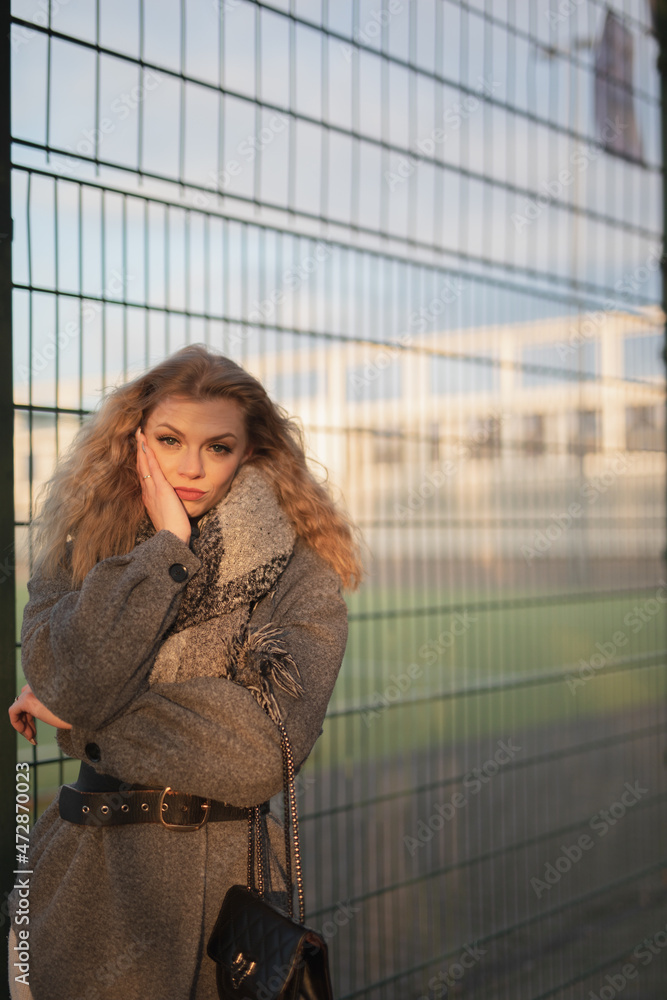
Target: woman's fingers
148, 468
29, 706
147, 463
23, 722
142, 459
163, 505
29, 728
20, 718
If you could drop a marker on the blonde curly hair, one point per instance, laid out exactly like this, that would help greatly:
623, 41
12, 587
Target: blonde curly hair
94, 496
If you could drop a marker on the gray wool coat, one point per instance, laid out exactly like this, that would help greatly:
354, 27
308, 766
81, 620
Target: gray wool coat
164, 679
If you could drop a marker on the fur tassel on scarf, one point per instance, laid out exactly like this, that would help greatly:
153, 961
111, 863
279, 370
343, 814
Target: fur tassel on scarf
244, 544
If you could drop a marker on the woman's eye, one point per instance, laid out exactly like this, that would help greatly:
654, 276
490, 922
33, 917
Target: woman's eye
217, 449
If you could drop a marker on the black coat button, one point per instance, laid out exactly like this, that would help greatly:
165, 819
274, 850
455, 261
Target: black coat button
93, 752
178, 572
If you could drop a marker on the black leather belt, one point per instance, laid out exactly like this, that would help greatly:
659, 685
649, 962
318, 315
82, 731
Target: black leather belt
102, 800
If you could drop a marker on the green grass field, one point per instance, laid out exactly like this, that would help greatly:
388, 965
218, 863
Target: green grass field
498, 648
408, 669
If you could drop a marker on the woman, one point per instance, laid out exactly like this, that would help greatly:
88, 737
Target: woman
187, 594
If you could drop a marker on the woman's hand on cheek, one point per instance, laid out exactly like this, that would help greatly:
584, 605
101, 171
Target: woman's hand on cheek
164, 506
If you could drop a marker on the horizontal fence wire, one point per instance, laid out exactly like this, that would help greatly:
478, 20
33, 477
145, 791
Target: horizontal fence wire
365, 207
554, 910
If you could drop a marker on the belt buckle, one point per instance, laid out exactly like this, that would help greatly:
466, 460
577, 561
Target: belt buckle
206, 806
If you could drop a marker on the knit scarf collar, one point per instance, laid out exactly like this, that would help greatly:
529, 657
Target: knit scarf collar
244, 544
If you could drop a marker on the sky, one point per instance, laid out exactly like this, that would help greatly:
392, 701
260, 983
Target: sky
471, 185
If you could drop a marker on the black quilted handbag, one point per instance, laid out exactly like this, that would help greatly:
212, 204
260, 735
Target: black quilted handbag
262, 953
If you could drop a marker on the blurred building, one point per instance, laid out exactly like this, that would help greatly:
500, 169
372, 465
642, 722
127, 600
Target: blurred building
471, 430
531, 427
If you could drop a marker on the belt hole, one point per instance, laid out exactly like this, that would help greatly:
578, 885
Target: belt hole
144, 806
104, 809
184, 809
85, 809
164, 807
125, 808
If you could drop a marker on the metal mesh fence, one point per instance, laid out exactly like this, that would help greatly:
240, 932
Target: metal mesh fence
431, 229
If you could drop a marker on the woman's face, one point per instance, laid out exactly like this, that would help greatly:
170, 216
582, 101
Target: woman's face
199, 445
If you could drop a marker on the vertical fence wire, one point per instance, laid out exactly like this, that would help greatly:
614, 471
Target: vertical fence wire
405, 220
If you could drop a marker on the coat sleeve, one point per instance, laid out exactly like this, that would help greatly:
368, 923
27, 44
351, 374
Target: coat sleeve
209, 736
87, 652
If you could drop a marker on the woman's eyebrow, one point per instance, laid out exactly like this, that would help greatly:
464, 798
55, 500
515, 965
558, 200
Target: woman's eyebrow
216, 437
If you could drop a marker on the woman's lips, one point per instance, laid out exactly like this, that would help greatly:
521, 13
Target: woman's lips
185, 494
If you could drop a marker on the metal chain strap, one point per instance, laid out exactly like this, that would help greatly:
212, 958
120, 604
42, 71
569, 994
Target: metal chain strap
290, 823
260, 850
251, 850
287, 750
285, 747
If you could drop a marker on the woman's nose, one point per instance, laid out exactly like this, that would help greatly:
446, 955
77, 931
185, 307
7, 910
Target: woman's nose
191, 464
